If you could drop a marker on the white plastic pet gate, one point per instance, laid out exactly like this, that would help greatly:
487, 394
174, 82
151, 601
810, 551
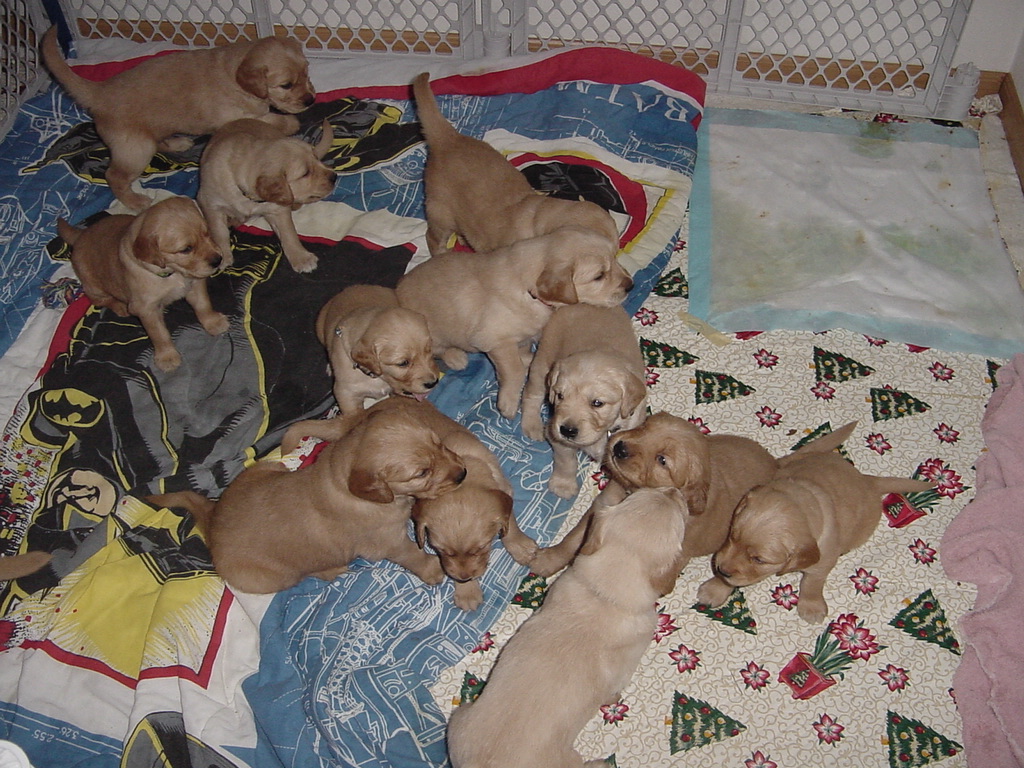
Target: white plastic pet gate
893, 55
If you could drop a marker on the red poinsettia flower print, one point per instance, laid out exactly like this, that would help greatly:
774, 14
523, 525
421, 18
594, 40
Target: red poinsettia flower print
760, 760
768, 417
651, 376
946, 433
485, 644
941, 372
877, 443
754, 676
698, 422
665, 627
614, 713
765, 359
829, 731
646, 316
922, 552
686, 659
864, 581
785, 596
854, 638
895, 678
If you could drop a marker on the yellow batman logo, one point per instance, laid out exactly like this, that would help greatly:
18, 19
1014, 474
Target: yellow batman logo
71, 408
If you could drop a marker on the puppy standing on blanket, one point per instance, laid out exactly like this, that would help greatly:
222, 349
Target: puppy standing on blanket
498, 303
251, 168
163, 101
589, 365
460, 525
375, 347
273, 527
817, 508
713, 472
581, 648
137, 265
473, 191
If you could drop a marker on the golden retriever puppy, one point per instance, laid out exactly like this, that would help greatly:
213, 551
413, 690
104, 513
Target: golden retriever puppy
273, 527
498, 302
473, 191
713, 472
581, 648
137, 265
375, 347
161, 102
817, 508
251, 168
589, 367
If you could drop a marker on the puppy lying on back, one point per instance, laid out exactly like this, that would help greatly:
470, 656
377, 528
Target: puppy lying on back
581, 647
460, 525
498, 302
473, 191
163, 101
273, 527
251, 168
137, 265
817, 508
713, 472
588, 365
375, 347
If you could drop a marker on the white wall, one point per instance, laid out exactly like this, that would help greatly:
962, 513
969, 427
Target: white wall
993, 35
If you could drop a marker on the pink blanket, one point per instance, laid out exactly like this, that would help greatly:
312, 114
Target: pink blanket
984, 545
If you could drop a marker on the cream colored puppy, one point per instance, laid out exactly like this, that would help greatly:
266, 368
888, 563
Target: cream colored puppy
817, 508
498, 302
251, 168
162, 102
589, 367
137, 265
375, 347
581, 648
273, 527
473, 191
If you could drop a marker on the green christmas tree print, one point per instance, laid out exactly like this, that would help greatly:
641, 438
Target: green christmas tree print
732, 613
888, 403
924, 619
833, 367
531, 593
696, 723
993, 370
658, 355
471, 688
911, 743
672, 284
717, 387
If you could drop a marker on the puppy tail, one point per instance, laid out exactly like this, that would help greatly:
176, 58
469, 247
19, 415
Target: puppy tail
824, 444
434, 124
68, 233
884, 485
16, 566
82, 91
200, 507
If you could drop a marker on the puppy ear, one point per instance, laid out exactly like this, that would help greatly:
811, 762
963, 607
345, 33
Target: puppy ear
664, 581
369, 485
594, 537
364, 354
274, 189
555, 286
146, 247
252, 78
696, 494
633, 392
505, 505
803, 558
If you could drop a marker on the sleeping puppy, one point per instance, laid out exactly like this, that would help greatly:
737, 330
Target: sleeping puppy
474, 192
137, 265
581, 647
713, 472
251, 168
816, 508
161, 102
589, 365
460, 525
375, 347
273, 527
498, 302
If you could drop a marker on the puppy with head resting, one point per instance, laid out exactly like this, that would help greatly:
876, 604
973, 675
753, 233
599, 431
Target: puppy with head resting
273, 527
137, 265
581, 647
472, 191
589, 367
459, 525
375, 347
713, 472
163, 101
815, 509
498, 303
251, 168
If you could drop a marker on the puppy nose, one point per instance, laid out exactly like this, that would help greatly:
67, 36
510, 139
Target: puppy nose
309, 99
619, 450
461, 476
568, 431
333, 178
430, 384
628, 285
216, 261
723, 573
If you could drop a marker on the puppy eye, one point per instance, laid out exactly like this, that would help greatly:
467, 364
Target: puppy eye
559, 395
600, 276
402, 364
661, 460
758, 560
423, 472
287, 86
187, 249
597, 403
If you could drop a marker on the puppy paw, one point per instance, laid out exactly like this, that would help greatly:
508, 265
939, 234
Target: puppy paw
812, 610
456, 359
713, 592
468, 595
430, 571
563, 487
548, 561
302, 261
177, 144
135, 202
533, 428
508, 405
167, 359
216, 324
